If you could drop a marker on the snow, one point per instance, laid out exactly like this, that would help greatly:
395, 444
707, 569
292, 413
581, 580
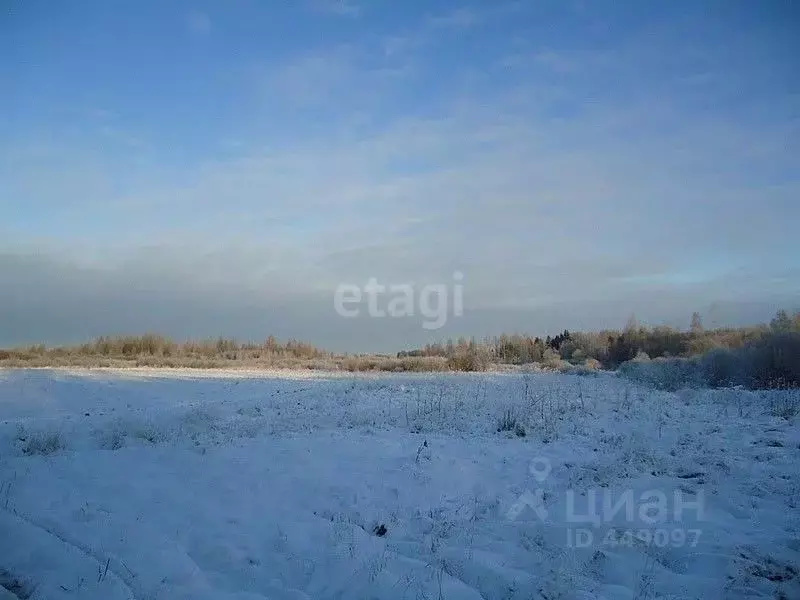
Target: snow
166, 485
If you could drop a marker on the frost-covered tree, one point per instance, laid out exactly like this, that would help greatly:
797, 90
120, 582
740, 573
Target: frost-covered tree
697, 323
781, 323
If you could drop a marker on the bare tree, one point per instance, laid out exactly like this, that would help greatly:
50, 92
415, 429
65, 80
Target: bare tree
697, 323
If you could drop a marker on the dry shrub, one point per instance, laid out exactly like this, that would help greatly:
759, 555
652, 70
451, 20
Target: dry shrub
471, 359
593, 364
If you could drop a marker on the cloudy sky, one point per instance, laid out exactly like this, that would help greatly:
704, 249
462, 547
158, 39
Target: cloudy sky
219, 168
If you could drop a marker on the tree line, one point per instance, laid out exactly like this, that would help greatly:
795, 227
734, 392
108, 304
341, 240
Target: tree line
610, 348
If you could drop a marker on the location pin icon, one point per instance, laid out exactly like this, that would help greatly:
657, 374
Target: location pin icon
540, 468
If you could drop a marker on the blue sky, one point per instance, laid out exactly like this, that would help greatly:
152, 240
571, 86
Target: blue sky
218, 168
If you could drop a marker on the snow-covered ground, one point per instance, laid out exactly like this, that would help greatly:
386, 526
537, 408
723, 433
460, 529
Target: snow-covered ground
148, 486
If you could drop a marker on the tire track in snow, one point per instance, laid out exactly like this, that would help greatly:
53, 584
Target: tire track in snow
126, 581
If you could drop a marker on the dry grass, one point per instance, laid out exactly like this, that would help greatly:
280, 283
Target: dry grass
155, 351
396, 365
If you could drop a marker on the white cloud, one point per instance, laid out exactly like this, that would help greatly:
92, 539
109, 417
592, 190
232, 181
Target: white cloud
199, 23
342, 8
460, 18
337, 78
540, 209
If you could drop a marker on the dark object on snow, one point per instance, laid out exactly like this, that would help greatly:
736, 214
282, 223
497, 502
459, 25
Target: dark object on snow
380, 530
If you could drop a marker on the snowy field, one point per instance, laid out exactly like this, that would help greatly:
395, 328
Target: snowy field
196, 486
